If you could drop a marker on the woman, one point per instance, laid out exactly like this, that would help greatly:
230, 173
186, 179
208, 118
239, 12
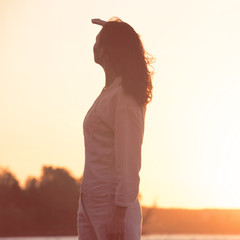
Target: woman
109, 208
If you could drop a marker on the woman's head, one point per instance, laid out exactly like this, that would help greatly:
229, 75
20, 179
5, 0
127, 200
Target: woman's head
124, 52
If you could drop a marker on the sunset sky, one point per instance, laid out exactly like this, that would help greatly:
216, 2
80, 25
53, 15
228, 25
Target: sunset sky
49, 80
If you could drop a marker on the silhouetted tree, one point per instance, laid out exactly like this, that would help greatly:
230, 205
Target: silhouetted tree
58, 194
11, 201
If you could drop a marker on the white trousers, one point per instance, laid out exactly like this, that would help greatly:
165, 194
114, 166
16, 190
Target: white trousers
94, 215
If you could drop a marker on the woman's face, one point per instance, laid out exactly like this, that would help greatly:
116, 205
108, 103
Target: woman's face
98, 51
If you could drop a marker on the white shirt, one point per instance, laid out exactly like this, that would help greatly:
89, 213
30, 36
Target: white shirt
113, 133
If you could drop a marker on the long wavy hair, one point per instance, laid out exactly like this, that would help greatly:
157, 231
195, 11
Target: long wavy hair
128, 58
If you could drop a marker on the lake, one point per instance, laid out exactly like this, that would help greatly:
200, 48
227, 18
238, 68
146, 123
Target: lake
149, 237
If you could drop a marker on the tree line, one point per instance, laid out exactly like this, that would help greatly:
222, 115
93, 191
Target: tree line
48, 206
43, 207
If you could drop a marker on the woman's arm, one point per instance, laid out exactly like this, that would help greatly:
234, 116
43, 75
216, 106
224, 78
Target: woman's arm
128, 136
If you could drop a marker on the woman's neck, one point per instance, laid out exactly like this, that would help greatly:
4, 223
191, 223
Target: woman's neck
109, 77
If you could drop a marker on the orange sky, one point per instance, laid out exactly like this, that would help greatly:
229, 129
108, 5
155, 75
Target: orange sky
48, 81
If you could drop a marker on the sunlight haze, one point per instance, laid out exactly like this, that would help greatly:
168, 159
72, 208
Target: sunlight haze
49, 80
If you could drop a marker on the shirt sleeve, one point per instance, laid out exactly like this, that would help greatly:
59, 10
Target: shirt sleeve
128, 137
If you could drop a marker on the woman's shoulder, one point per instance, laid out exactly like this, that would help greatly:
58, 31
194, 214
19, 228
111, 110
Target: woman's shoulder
117, 97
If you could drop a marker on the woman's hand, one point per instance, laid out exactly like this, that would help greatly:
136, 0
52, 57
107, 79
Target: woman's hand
98, 21
116, 228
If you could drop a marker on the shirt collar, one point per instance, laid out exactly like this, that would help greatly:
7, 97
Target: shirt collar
117, 81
